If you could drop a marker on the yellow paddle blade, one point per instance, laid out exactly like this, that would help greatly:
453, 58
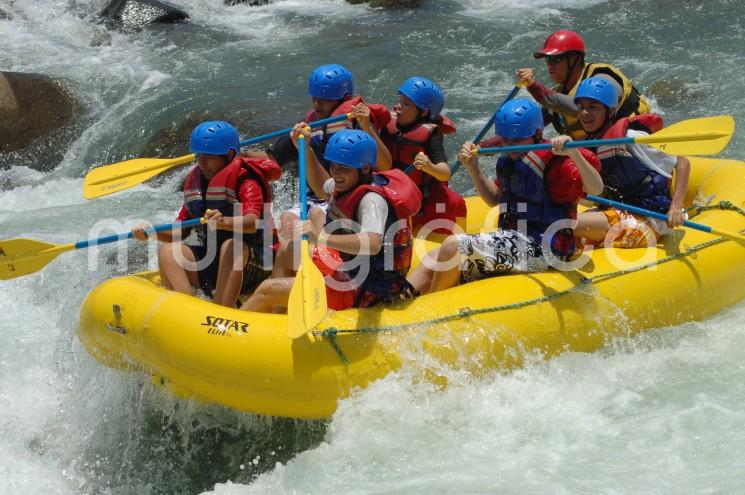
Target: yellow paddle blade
735, 236
307, 306
109, 179
20, 257
704, 136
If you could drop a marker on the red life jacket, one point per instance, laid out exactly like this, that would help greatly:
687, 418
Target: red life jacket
404, 146
222, 192
319, 137
404, 200
626, 178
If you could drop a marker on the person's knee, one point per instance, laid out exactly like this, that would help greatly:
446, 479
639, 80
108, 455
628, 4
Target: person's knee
268, 290
287, 219
165, 253
171, 253
231, 253
316, 215
287, 222
448, 249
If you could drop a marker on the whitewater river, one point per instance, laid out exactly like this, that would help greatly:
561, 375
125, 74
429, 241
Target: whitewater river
659, 413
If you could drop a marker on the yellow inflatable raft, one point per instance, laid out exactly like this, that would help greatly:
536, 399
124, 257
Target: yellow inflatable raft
244, 360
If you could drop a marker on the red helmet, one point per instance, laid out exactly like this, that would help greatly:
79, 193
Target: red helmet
561, 42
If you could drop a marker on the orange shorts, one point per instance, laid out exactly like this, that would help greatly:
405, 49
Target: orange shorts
328, 260
628, 231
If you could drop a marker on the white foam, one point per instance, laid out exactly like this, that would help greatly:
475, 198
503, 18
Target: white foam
484, 8
660, 406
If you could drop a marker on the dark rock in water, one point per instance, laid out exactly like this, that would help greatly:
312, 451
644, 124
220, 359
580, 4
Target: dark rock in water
389, 3
136, 14
32, 106
677, 89
5, 16
101, 37
173, 140
252, 3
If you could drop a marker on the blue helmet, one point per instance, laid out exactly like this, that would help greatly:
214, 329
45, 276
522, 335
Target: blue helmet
330, 82
214, 138
598, 89
425, 94
518, 118
351, 148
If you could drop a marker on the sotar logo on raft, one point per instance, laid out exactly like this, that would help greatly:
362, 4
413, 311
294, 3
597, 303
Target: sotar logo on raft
220, 326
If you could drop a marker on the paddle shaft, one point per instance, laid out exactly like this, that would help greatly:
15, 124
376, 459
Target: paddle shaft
313, 125
671, 138
454, 168
116, 237
302, 166
27, 256
662, 216
122, 236
186, 159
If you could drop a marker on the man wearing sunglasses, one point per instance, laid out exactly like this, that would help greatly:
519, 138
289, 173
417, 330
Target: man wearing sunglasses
564, 52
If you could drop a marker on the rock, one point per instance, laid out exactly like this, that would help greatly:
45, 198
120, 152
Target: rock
4, 16
173, 140
394, 4
32, 106
252, 3
100, 37
677, 89
136, 14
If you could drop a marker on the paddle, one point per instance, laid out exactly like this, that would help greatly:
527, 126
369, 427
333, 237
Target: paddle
648, 213
307, 306
19, 257
703, 136
489, 123
116, 177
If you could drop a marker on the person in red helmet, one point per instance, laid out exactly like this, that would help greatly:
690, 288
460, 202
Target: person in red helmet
564, 52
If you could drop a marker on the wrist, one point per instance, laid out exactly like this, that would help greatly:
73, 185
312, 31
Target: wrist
322, 238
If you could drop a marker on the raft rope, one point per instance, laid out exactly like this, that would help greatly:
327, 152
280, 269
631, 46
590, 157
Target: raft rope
331, 333
722, 205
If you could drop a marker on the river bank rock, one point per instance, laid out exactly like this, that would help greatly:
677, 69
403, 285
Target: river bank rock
173, 140
136, 14
32, 106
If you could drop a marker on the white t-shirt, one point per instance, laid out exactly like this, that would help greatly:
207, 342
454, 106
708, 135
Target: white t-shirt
652, 157
372, 212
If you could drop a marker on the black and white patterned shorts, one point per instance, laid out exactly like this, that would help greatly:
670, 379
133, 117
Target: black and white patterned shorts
497, 253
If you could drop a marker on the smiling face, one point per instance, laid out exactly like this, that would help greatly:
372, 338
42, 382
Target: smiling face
406, 111
346, 178
324, 108
592, 114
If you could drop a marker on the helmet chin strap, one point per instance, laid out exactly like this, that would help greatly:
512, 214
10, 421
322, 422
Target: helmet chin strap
570, 69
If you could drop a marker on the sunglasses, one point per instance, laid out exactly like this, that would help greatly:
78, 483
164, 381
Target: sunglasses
555, 59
